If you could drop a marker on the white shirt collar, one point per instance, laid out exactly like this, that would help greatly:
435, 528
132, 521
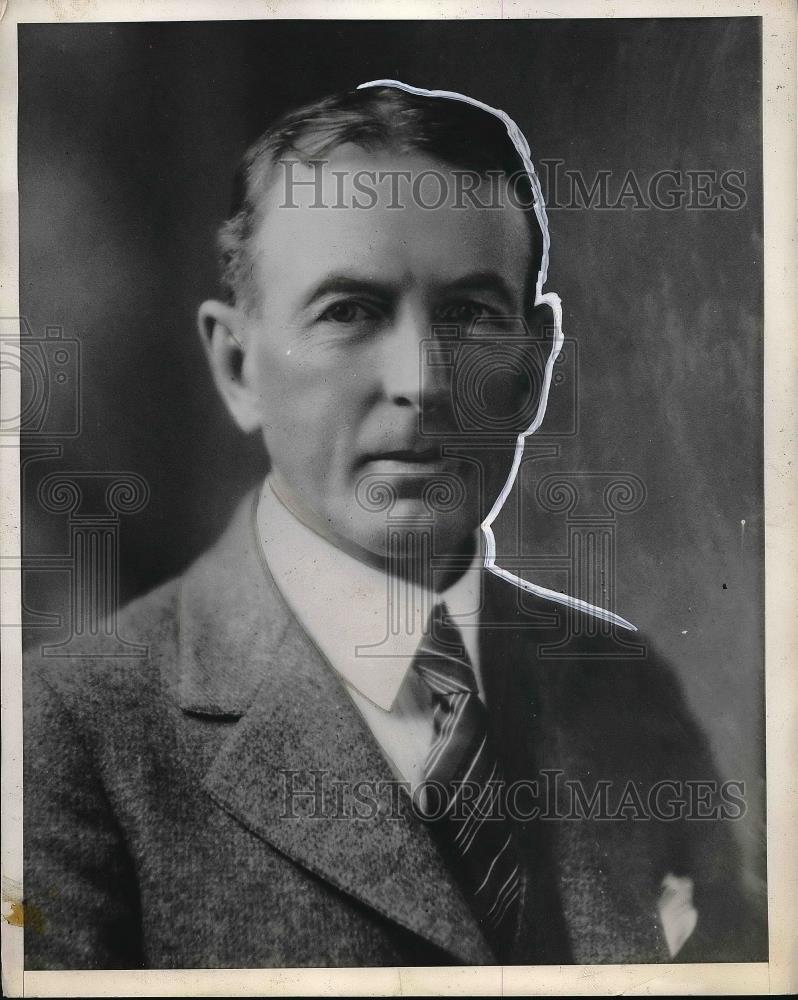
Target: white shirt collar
367, 623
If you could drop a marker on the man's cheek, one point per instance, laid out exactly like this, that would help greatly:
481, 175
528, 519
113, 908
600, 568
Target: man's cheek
307, 421
287, 393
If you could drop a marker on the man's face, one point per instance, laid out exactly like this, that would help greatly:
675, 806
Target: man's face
352, 411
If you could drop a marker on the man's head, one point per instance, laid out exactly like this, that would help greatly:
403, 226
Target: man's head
381, 242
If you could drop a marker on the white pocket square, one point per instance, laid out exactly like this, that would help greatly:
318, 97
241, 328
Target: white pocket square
676, 911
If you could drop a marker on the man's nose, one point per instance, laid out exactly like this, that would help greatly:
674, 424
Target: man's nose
406, 377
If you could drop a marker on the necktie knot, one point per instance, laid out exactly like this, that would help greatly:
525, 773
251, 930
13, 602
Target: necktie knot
441, 659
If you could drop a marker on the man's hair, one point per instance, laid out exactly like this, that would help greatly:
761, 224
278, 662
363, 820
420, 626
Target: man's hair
375, 119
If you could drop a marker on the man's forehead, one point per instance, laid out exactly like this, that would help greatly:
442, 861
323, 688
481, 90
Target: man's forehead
349, 175
390, 210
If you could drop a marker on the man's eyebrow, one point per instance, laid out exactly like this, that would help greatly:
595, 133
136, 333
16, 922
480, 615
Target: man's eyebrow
350, 284
490, 281
336, 284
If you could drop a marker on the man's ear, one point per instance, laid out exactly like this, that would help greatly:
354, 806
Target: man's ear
222, 331
543, 322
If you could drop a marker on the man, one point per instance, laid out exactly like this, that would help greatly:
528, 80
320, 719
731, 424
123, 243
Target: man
345, 743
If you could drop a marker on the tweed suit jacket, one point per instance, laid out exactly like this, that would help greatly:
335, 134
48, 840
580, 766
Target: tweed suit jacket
159, 832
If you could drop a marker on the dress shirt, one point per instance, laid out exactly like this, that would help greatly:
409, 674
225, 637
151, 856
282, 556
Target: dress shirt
345, 605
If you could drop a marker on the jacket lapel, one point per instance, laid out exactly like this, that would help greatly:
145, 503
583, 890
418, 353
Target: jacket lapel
243, 655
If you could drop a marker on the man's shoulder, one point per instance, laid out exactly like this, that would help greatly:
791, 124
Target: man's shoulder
120, 660
152, 615
576, 652
597, 685
615, 676
134, 661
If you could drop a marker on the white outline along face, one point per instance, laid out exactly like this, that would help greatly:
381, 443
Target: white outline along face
548, 299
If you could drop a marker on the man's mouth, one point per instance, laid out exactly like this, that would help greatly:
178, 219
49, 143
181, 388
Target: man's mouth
419, 457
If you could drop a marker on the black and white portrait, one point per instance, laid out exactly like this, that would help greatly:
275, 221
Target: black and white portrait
391, 472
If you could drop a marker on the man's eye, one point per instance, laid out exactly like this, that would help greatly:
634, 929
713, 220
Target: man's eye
348, 312
463, 313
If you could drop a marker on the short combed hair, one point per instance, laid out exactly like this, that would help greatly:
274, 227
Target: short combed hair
375, 119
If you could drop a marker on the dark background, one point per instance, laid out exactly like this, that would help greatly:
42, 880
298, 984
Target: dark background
128, 137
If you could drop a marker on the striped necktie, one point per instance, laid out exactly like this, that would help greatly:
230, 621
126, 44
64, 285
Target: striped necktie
463, 801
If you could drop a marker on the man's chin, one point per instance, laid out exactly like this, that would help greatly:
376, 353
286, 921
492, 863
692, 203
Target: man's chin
410, 533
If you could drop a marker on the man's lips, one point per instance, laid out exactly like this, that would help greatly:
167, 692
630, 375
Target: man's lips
429, 455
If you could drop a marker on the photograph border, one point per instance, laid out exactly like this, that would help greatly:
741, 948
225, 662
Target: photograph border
778, 975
